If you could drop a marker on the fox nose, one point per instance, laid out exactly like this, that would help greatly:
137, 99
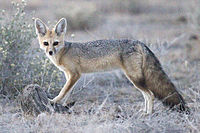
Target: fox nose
50, 52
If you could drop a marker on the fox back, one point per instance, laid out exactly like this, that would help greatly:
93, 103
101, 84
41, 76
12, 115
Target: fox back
100, 55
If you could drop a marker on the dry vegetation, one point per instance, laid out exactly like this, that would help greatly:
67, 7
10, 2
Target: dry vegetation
104, 102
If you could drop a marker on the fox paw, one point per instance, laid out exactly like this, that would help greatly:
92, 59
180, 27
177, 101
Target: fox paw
52, 101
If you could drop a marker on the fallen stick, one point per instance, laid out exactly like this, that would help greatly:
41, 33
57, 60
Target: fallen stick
34, 101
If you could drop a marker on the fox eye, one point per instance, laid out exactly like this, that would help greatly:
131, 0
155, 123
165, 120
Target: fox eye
46, 43
55, 43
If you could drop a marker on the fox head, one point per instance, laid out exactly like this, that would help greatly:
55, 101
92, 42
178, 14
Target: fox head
51, 40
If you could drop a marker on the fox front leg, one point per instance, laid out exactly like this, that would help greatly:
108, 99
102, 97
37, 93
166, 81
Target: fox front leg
72, 78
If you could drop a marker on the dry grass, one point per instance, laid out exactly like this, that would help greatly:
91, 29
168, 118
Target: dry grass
117, 109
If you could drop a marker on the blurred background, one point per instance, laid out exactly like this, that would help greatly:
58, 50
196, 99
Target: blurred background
169, 27
94, 19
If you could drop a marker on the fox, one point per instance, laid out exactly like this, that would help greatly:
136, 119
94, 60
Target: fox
139, 64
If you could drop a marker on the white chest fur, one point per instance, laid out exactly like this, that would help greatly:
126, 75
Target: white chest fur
54, 60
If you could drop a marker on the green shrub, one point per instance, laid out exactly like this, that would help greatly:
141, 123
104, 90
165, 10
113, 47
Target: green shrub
20, 64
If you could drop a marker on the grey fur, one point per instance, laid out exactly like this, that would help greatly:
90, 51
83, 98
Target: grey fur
148, 73
101, 48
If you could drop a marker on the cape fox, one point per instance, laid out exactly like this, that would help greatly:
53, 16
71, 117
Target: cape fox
136, 60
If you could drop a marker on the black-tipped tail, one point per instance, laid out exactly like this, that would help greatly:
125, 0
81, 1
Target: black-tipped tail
159, 83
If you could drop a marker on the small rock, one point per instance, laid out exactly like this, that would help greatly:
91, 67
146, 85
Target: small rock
193, 37
182, 19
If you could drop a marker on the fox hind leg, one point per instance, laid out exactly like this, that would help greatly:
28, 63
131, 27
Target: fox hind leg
149, 98
133, 71
145, 101
147, 94
150, 102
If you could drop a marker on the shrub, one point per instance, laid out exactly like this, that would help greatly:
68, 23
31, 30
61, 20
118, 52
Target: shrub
20, 64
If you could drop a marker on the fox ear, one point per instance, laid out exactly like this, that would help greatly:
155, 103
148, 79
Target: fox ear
41, 28
61, 26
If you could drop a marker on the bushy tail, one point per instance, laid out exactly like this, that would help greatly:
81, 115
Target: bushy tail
160, 84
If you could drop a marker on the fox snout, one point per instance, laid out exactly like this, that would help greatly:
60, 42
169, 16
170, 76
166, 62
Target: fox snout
50, 52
